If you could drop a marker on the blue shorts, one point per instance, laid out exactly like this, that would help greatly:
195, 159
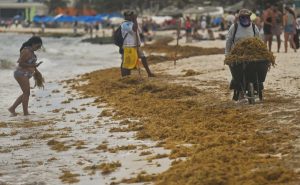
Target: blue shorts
19, 73
289, 28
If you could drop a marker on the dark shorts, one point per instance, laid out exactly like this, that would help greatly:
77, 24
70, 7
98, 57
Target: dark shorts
267, 29
188, 30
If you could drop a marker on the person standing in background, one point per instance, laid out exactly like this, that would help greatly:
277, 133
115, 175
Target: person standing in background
97, 27
289, 24
277, 26
75, 25
267, 27
43, 26
203, 25
188, 29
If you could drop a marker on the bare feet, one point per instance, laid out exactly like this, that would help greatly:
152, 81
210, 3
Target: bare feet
12, 112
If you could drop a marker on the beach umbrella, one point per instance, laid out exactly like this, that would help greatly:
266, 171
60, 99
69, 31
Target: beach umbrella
45, 19
161, 19
115, 15
64, 18
170, 11
37, 19
116, 20
81, 18
217, 21
89, 19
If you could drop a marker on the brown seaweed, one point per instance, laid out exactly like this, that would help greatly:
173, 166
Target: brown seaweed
250, 50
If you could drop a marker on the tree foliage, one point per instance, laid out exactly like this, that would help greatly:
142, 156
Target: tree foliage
53, 4
140, 5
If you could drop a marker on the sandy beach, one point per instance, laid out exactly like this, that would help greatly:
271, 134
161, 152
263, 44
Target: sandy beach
180, 127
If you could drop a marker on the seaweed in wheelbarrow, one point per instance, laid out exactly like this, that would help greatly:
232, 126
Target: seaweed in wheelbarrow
250, 50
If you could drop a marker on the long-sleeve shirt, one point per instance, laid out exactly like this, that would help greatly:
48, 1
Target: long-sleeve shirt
241, 33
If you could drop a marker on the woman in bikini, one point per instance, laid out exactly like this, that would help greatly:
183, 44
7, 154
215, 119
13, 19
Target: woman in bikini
289, 23
268, 24
25, 70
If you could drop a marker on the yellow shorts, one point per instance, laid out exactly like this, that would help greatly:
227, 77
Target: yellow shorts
130, 58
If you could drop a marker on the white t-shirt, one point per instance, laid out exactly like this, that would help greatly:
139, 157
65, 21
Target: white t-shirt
203, 24
131, 39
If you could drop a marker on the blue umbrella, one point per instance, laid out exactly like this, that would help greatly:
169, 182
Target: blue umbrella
40, 19
65, 18
89, 19
217, 21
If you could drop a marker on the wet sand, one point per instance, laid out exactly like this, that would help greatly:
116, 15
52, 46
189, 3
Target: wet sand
72, 137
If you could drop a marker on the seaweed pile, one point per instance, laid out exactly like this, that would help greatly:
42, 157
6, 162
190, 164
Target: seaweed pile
176, 52
227, 143
250, 50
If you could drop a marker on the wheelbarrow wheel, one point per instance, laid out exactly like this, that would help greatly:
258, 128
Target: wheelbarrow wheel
251, 96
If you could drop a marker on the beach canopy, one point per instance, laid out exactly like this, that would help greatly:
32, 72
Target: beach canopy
170, 11
64, 18
41, 19
68, 19
235, 7
116, 20
217, 20
89, 19
195, 12
161, 19
110, 15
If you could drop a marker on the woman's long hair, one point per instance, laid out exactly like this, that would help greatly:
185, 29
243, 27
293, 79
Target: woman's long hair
290, 11
31, 41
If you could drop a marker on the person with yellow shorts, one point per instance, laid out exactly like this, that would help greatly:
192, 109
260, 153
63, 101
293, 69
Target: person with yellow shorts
131, 45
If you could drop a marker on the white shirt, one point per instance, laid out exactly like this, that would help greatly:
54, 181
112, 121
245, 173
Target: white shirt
131, 39
241, 33
203, 24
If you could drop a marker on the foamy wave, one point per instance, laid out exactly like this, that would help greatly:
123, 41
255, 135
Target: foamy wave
6, 64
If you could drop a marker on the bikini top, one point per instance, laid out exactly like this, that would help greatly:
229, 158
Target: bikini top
33, 59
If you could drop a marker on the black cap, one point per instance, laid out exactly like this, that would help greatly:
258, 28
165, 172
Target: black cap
128, 13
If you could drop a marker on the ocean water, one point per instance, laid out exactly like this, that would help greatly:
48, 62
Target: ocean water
63, 58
